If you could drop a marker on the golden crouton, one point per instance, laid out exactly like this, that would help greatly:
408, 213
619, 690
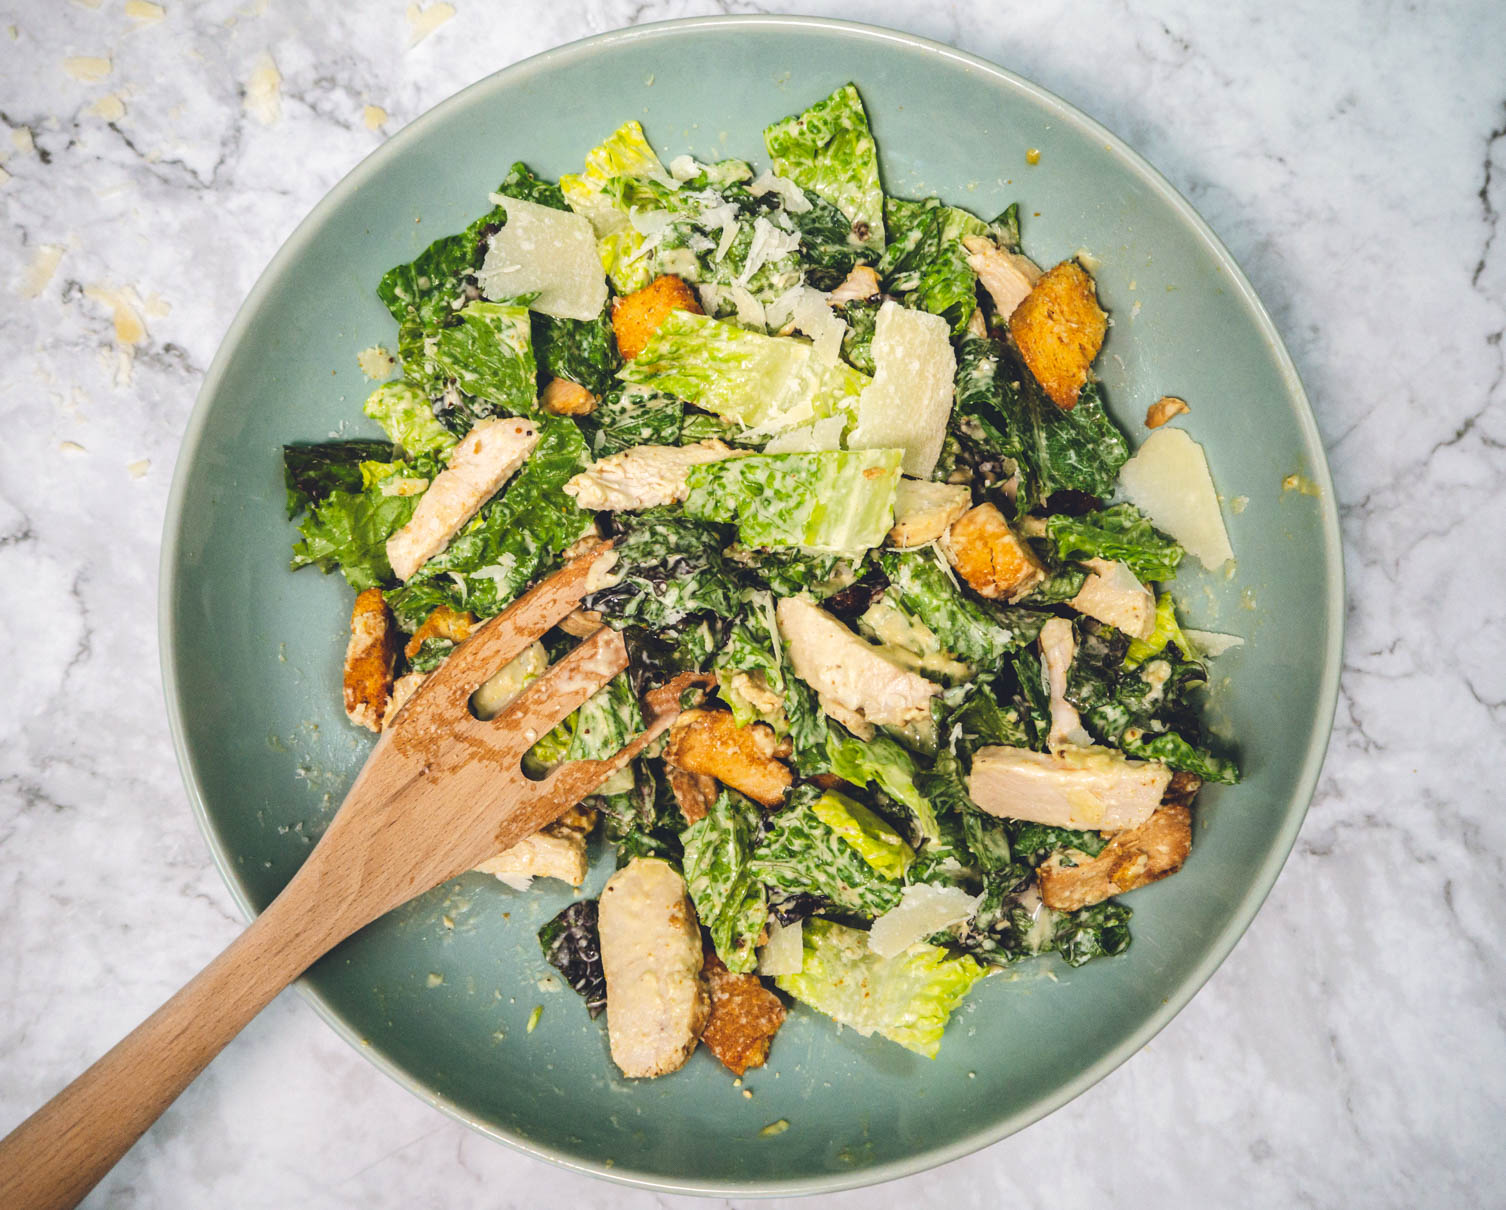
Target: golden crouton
1059, 329
442, 623
744, 1018
694, 792
637, 316
994, 560
1153, 850
566, 398
1163, 410
711, 742
370, 659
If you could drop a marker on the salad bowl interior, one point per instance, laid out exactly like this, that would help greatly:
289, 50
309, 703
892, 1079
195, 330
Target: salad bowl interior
450, 994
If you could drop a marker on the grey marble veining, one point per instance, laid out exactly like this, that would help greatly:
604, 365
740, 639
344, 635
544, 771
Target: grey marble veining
1351, 1052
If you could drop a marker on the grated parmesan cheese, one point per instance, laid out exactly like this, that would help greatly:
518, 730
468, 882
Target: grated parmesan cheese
907, 404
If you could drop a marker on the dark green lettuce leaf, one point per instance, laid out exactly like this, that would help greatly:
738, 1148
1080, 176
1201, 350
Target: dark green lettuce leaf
431, 286
521, 182
801, 854
581, 350
627, 416
861, 316
1121, 534
730, 902
980, 634
312, 471
572, 945
925, 263
1092, 932
668, 568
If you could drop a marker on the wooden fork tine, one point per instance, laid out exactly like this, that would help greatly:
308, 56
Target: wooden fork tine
575, 779
505, 637
548, 701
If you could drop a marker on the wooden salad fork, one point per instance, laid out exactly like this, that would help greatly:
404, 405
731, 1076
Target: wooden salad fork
441, 792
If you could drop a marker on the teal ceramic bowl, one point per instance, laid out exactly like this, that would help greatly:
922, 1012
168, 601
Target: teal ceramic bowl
440, 993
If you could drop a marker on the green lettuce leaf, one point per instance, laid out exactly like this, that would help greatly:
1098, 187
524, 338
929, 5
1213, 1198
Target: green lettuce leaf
627, 415
752, 648
839, 501
600, 728
801, 854
874, 840
1167, 630
881, 762
829, 150
925, 264
427, 290
625, 154
765, 383
487, 351
522, 182
312, 472
669, 567
922, 585
349, 530
581, 350
906, 998
729, 901
861, 317
1121, 534
513, 539
406, 414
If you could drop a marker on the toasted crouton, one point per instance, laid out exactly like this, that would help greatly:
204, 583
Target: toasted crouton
1059, 329
994, 560
711, 742
566, 398
637, 316
1153, 850
370, 660
745, 1016
694, 792
442, 623
1163, 410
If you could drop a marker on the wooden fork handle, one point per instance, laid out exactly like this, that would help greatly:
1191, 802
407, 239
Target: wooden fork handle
52, 1160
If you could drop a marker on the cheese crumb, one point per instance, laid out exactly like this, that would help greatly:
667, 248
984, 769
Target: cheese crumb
376, 363
70, 447
109, 107
139, 468
4, 176
124, 307
22, 141
774, 1128
424, 21
144, 11
434, 979
41, 270
374, 116
264, 91
87, 69
1033, 155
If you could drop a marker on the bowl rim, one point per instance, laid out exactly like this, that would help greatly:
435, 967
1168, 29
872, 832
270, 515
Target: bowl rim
1317, 745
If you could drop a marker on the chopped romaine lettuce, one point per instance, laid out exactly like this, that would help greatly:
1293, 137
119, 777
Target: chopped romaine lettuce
925, 263
522, 182
836, 501
312, 472
765, 383
668, 568
625, 154
1121, 534
923, 586
750, 668
488, 354
906, 998
1167, 630
800, 853
874, 840
427, 290
882, 762
406, 414
829, 150
572, 945
628, 415
580, 350
729, 901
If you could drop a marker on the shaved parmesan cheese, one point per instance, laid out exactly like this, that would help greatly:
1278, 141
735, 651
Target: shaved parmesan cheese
87, 69
784, 952
769, 244
1168, 480
549, 251
907, 404
790, 194
263, 99
1212, 643
424, 21
825, 434
923, 909
811, 314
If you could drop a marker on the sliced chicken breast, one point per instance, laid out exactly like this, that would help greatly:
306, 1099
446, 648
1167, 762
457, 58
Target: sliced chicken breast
644, 476
1114, 594
484, 460
1088, 789
924, 510
1058, 646
1007, 276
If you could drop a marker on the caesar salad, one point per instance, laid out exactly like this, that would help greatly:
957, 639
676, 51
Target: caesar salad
856, 470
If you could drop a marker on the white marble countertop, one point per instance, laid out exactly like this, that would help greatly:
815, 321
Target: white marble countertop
1353, 156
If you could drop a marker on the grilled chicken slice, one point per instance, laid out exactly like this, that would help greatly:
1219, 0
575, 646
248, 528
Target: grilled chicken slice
862, 282
1114, 594
993, 559
644, 476
1088, 789
694, 792
651, 955
1155, 849
558, 850
924, 510
370, 660
856, 683
484, 460
1007, 276
1058, 646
